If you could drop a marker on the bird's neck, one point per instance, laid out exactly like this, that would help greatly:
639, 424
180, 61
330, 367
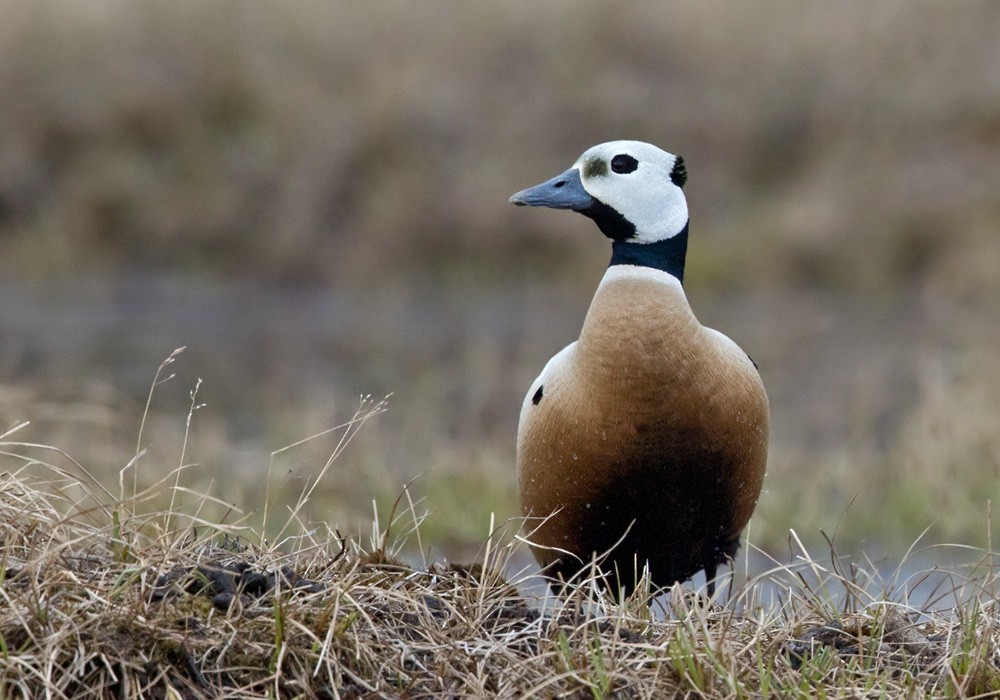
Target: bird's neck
667, 254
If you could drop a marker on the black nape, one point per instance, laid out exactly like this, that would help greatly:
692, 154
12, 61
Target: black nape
679, 173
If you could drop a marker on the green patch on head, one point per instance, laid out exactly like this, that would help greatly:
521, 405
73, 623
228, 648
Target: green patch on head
595, 167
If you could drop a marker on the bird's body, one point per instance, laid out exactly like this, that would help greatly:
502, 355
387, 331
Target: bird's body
646, 439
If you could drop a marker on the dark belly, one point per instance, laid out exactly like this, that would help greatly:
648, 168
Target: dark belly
678, 518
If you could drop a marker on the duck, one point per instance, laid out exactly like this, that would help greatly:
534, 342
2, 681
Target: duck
642, 445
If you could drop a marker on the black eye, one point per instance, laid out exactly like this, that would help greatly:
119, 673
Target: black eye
624, 163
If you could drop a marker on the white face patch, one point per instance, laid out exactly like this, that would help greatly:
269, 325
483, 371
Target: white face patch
646, 196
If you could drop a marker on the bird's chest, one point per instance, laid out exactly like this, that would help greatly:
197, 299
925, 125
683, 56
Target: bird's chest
586, 437
615, 413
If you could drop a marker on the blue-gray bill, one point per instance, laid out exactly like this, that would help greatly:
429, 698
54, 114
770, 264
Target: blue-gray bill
561, 192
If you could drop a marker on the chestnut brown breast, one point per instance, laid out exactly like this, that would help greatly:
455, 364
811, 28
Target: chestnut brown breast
646, 439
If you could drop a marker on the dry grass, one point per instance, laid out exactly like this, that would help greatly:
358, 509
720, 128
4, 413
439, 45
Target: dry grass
105, 596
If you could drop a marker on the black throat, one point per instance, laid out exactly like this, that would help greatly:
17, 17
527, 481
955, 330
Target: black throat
667, 255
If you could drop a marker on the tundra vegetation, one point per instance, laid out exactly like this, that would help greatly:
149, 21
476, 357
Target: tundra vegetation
106, 596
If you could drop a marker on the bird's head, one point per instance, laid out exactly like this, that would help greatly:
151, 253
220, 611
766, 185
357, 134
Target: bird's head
631, 189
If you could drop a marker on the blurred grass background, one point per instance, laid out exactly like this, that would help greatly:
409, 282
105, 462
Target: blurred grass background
312, 196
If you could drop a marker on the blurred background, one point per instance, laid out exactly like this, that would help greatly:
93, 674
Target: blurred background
312, 198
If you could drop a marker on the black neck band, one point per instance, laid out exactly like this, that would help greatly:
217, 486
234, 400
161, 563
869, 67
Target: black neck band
667, 255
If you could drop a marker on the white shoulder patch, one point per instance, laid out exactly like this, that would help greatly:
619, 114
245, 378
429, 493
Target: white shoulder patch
547, 383
555, 367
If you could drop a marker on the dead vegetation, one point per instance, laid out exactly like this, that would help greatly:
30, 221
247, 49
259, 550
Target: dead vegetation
100, 599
